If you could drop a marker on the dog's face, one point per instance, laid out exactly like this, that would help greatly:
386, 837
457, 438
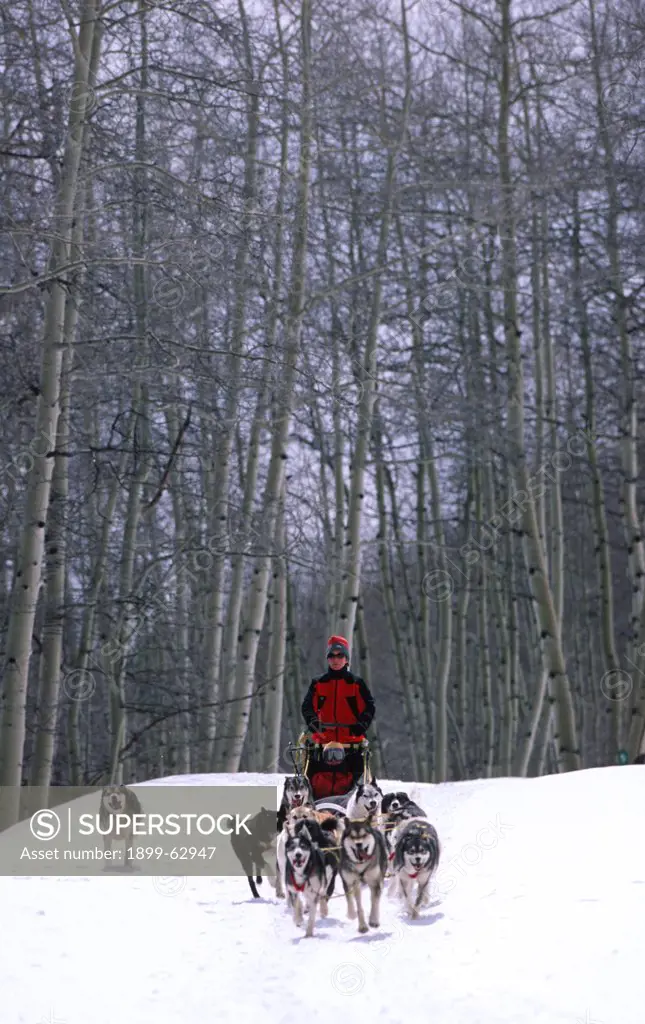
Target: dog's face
297, 792
416, 852
325, 820
295, 815
393, 802
298, 850
369, 796
358, 841
114, 799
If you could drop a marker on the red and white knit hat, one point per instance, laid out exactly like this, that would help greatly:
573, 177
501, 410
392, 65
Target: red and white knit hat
338, 645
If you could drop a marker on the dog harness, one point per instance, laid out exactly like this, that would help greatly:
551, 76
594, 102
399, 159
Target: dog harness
292, 881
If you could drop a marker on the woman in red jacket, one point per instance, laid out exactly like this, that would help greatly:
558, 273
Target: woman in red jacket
338, 708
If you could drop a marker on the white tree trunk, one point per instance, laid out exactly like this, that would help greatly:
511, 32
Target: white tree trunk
545, 610
220, 497
277, 654
223, 710
28, 575
351, 583
277, 465
56, 554
120, 645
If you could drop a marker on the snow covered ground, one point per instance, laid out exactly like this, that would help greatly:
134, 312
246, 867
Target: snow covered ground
538, 917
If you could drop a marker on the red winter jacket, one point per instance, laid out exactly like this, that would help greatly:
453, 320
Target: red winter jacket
342, 697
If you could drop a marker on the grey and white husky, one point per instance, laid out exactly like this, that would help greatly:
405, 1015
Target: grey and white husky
416, 858
363, 861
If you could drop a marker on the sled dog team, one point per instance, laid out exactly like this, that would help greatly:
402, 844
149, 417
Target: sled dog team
376, 834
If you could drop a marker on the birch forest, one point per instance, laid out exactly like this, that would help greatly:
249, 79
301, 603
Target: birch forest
321, 317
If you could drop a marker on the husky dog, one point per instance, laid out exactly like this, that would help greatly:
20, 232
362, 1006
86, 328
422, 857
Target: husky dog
310, 870
395, 809
118, 800
363, 861
251, 850
416, 857
365, 801
399, 806
327, 821
393, 802
297, 792
305, 811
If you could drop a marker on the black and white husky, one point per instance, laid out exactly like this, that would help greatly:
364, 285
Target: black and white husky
365, 801
297, 792
326, 820
310, 871
397, 806
363, 861
416, 858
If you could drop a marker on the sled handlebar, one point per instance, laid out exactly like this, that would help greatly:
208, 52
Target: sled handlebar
337, 725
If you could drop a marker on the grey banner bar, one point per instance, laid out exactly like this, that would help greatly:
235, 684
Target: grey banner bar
141, 829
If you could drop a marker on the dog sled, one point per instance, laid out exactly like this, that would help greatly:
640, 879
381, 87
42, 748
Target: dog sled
364, 837
332, 769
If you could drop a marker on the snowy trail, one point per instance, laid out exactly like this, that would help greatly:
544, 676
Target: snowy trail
538, 916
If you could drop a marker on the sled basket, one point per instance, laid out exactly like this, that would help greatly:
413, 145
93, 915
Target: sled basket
334, 753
